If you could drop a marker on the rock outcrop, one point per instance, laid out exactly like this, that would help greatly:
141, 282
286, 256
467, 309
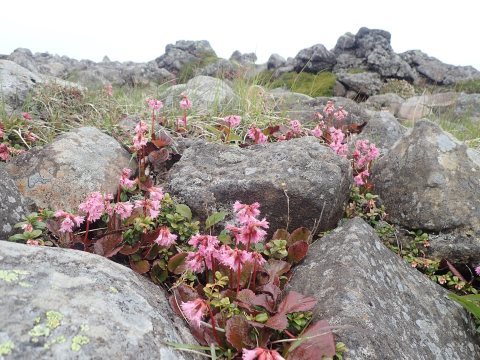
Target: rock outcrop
384, 308
12, 205
314, 59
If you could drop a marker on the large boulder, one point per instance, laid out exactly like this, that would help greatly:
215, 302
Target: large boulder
297, 182
379, 302
15, 84
430, 181
275, 61
67, 304
184, 53
12, 205
467, 106
222, 69
314, 59
363, 84
207, 94
247, 58
388, 101
62, 174
417, 107
437, 72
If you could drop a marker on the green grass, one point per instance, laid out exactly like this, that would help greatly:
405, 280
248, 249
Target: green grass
312, 85
470, 87
189, 70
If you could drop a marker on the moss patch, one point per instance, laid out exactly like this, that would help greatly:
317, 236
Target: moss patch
14, 276
6, 347
78, 341
312, 85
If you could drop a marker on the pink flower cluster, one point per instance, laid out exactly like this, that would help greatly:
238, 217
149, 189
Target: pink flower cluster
26, 116
140, 140
340, 114
261, 354
154, 104
363, 155
95, 205
69, 221
232, 120
152, 204
195, 310
125, 181
109, 90
165, 237
185, 103
296, 127
337, 144
257, 135
318, 130
4, 152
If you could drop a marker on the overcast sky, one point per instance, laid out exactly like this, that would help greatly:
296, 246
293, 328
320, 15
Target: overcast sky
138, 30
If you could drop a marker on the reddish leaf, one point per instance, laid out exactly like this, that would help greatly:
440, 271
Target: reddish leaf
265, 301
158, 157
140, 267
246, 296
129, 250
295, 302
271, 130
237, 332
278, 322
108, 246
297, 251
271, 289
454, 271
176, 260
181, 294
277, 267
354, 128
151, 252
280, 234
315, 343
162, 140
300, 234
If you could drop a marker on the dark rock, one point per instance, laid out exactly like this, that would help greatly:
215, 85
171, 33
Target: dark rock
365, 83
212, 177
67, 304
430, 181
339, 89
248, 58
12, 205
275, 61
379, 302
62, 174
314, 59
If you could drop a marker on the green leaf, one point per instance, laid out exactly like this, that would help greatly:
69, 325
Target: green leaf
184, 210
176, 260
467, 303
215, 218
33, 234
17, 237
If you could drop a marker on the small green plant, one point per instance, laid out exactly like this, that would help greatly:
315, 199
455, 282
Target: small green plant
468, 86
312, 85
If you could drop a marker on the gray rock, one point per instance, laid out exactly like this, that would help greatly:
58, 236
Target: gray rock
314, 59
339, 89
275, 61
365, 83
284, 99
222, 69
344, 42
385, 309
183, 53
12, 205
306, 110
248, 58
67, 304
389, 101
15, 84
437, 72
429, 181
383, 130
418, 107
62, 174
206, 93
214, 176
467, 106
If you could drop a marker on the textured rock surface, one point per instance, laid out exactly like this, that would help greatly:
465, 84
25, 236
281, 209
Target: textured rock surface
468, 106
57, 298
213, 176
183, 53
383, 130
390, 311
248, 58
275, 61
365, 83
437, 72
15, 84
428, 180
314, 59
417, 107
12, 205
389, 101
206, 93
61, 174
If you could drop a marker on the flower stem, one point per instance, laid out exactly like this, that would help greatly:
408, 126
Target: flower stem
85, 238
215, 334
254, 275
238, 279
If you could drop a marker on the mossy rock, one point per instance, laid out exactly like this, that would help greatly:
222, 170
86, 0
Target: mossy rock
313, 85
188, 71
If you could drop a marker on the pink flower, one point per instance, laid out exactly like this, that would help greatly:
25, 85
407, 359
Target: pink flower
364, 153
2, 134
185, 103
194, 310
33, 242
360, 179
253, 231
94, 206
139, 141
27, 227
477, 270
109, 90
156, 193
195, 262
152, 206
155, 104
340, 115
123, 209
181, 122
337, 145
317, 132
261, 354
296, 127
31, 137
234, 258
165, 237
204, 241
125, 181
257, 135
232, 120
26, 116
4, 152
69, 221
244, 212
141, 127
257, 258
329, 108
